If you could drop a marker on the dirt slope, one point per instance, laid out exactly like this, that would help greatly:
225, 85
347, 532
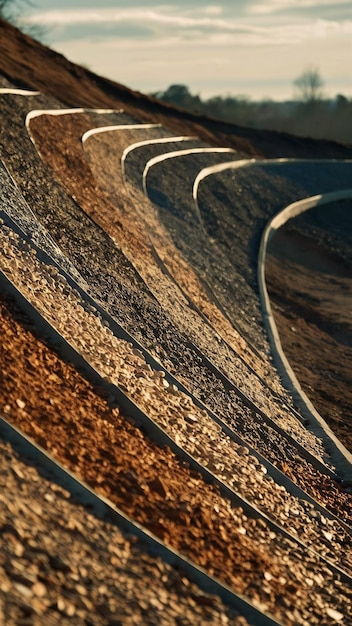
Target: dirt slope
88, 431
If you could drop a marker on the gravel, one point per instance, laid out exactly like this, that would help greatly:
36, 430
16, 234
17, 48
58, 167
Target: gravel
135, 310
52, 573
167, 497
191, 428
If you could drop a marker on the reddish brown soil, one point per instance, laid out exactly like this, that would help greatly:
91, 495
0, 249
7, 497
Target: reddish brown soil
47, 399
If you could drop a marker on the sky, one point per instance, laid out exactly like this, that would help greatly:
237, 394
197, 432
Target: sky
252, 48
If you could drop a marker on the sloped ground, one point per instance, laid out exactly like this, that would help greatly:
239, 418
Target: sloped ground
308, 269
314, 318
145, 265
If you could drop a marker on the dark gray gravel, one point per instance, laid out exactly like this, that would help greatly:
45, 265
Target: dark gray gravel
114, 281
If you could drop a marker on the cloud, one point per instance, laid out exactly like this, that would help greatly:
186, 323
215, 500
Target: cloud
274, 6
213, 10
232, 46
213, 69
168, 22
164, 15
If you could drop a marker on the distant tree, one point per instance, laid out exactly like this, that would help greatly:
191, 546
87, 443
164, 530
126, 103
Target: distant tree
341, 101
180, 96
311, 116
11, 11
309, 85
8, 9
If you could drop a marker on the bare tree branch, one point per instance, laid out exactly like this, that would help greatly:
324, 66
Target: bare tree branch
309, 85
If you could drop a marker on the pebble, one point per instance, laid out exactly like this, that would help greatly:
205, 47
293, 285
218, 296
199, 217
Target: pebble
335, 615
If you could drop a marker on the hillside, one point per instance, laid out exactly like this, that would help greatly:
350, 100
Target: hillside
29, 64
135, 352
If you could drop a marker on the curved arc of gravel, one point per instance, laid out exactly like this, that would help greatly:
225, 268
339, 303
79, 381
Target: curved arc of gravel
278, 476
102, 507
120, 332
339, 454
56, 112
335, 447
148, 142
244, 163
216, 169
152, 429
40, 112
175, 154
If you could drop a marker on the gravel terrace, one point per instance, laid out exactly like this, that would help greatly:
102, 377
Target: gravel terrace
170, 343
200, 524
51, 572
133, 257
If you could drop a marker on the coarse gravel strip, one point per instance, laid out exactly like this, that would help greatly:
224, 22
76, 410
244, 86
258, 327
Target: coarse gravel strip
236, 204
60, 563
166, 293
253, 195
317, 247
308, 571
23, 218
175, 344
338, 452
197, 434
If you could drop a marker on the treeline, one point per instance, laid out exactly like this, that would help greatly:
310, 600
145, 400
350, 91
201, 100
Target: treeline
311, 117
